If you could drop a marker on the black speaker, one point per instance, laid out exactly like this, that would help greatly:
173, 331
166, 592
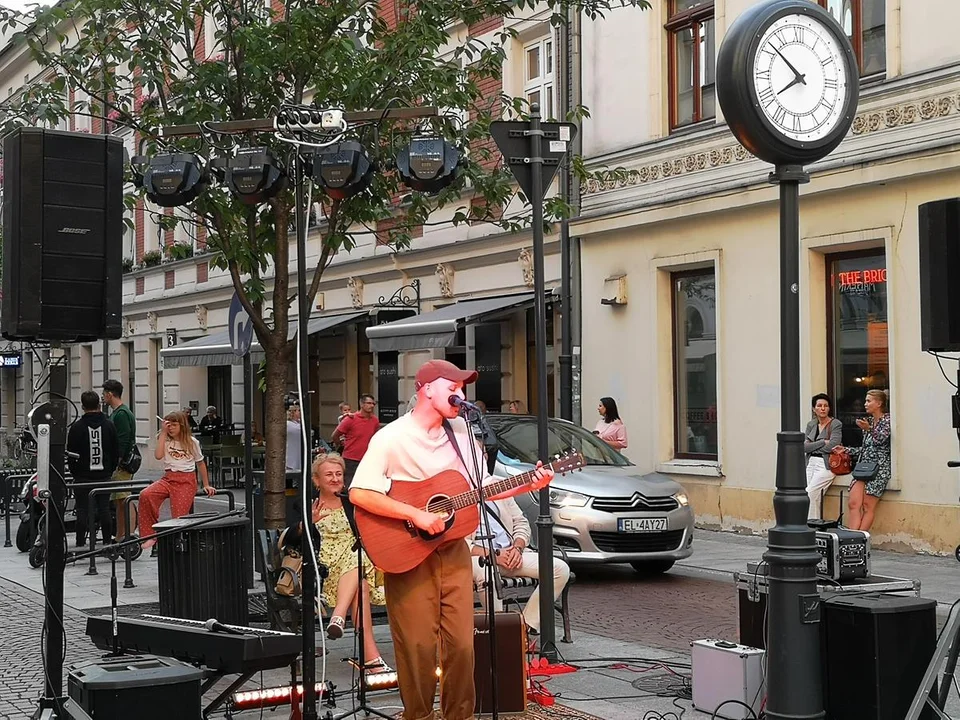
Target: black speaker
939, 266
143, 686
62, 235
876, 649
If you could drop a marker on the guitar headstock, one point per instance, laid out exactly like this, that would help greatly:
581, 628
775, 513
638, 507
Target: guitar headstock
568, 462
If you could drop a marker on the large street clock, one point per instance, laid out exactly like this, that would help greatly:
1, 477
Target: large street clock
787, 81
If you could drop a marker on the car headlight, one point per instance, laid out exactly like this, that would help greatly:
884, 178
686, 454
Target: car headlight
682, 499
565, 498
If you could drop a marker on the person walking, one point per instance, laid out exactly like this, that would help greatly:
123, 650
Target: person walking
431, 606
610, 427
126, 426
355, 431
823, 433
182, 458
93, 451
865, 493
294, 440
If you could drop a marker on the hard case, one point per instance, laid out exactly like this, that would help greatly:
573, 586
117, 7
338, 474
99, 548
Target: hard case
726, 671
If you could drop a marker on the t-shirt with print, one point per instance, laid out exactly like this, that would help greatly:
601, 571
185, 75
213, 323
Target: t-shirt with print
177, 459
403, 450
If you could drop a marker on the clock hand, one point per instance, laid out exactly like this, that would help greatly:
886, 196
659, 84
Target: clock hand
798, 79
797, 74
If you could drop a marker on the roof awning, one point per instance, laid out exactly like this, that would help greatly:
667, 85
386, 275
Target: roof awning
215, 349
438, 329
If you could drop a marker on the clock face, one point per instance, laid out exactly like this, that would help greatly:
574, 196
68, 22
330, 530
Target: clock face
799, 74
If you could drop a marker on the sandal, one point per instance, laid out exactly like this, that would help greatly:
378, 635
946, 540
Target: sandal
335, 627
378, 664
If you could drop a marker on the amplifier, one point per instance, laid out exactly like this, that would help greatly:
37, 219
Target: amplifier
844, 554
511, 637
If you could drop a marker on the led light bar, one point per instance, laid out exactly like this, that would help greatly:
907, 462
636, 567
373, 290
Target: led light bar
272, 697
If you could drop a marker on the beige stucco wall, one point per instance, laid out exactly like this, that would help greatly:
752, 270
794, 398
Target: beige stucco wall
629, 349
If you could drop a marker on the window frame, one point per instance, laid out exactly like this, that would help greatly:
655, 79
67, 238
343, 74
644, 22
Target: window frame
676, 22
674, 277
544, 80
856, 8
829, 260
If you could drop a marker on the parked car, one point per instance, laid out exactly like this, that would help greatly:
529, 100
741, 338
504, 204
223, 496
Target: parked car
608, 512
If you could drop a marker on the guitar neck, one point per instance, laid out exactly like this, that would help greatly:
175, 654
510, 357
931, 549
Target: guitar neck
472, 497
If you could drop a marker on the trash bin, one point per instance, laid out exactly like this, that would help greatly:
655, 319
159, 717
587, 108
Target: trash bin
142, 686
202, 570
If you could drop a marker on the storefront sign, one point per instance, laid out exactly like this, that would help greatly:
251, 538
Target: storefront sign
488, 365
388, 386
854, 280
11, 360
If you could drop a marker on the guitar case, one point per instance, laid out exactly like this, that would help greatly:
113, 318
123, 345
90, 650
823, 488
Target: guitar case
511, 632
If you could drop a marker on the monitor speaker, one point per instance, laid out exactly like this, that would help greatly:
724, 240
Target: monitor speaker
62, 235
511, 650
939, 267
875, 651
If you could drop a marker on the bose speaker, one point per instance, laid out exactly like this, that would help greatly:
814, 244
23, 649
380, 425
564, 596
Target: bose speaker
939, 267
62, 236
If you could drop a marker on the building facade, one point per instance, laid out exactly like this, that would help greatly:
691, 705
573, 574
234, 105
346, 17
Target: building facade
174, 354
685, 232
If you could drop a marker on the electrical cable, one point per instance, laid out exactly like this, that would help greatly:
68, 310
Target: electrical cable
716, 710
940, 365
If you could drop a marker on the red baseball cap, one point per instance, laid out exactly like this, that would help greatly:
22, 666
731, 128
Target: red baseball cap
436, 369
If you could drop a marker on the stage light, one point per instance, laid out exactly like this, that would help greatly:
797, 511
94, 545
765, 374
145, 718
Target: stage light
171, 179
273, 697
254, 175
381, 681
428, 164
343, 170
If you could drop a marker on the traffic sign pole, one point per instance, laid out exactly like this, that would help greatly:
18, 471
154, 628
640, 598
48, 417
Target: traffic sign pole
548, 635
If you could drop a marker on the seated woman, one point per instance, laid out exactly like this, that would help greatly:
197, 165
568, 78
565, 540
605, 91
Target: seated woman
335, 539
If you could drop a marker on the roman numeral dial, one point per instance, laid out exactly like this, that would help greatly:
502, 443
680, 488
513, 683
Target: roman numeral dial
799, 78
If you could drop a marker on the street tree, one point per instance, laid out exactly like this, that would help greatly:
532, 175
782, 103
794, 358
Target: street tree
148, 64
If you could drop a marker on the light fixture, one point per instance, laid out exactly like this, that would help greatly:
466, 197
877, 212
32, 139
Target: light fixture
381, 680
170, 180
428, 164
254, 175
274, 697
343, 170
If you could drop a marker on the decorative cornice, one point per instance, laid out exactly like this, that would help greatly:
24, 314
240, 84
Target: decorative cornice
867, 122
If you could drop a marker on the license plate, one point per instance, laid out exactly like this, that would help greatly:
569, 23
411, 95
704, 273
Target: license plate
639, 525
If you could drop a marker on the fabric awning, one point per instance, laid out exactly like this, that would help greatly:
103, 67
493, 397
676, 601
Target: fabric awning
215, 349
438, 329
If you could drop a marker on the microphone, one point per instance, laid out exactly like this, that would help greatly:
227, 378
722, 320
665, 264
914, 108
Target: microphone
457, 401
213, 625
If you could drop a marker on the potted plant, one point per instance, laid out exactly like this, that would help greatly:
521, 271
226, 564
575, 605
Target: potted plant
151, 259
127, 264
179, 251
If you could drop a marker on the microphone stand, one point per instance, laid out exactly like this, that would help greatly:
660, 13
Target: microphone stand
358, 623
113, 553
486, 563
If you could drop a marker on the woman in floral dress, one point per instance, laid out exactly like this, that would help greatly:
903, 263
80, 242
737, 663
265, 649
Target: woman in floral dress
335, 540
864, 495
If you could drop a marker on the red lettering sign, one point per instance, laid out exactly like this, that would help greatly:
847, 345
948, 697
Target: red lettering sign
862, 277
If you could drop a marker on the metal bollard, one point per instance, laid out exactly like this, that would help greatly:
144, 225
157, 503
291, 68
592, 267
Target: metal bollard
127, 555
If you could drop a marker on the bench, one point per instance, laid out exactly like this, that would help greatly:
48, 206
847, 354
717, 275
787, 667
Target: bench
518, 591
283, 611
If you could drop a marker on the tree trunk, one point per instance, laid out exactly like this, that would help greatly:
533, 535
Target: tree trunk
275, 438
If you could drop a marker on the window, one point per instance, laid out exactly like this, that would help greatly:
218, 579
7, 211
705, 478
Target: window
538, 76
692, 62
695, 364
857, 340
130, 360
865, 24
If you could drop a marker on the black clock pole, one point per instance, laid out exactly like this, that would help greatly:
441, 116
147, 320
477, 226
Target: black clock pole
794, 689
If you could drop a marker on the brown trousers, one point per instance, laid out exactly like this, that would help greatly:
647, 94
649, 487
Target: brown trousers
431, 618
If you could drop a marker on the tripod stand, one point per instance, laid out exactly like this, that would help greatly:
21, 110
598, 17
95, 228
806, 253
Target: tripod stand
358, 624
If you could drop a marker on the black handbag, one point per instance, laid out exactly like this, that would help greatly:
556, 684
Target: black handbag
866, 470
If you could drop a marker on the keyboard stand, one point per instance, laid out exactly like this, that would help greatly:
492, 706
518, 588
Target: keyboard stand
222, 698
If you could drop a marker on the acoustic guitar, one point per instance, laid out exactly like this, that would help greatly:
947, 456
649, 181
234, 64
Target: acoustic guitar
396, 546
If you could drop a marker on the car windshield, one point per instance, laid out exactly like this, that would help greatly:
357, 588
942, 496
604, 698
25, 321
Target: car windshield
518, 441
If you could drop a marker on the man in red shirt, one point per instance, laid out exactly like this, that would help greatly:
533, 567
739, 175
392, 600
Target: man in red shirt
355, 431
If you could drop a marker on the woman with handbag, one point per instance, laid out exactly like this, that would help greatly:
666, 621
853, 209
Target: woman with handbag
336, 551
872, 470
824, 432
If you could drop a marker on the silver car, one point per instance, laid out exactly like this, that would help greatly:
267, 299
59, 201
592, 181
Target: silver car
607, 512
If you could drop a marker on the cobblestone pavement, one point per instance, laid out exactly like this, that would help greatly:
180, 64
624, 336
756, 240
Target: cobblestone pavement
668, 611
21, 669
